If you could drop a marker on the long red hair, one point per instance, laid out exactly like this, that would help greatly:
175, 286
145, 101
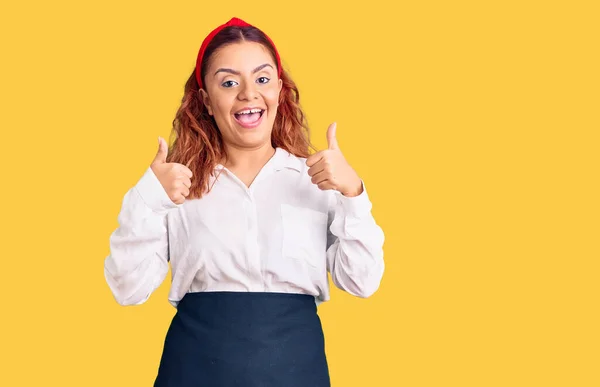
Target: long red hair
196, 139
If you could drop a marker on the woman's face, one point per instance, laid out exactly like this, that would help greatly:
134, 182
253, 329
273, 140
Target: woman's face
242, 93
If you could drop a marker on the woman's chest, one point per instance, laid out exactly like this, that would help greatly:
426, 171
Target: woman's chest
263, 223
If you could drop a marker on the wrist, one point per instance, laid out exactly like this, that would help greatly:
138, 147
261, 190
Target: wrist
355, 191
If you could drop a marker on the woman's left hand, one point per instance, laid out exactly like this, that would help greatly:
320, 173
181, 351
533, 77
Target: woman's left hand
330, 170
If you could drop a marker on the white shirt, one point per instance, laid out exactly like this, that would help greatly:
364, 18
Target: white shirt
281, 234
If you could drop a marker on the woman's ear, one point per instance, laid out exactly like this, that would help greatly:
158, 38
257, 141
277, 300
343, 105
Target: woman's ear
206, 101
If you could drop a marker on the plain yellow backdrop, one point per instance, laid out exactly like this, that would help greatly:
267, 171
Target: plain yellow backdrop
475, 126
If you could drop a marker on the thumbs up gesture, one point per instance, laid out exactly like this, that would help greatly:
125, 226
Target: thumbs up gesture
330, 170
174, 177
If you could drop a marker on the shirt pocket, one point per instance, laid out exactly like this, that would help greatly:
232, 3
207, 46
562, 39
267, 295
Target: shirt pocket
304, 234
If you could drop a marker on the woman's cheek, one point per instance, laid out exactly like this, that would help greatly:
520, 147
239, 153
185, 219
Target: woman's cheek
273, 97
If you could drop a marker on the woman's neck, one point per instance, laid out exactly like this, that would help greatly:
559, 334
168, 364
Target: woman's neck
248, 158
246, 163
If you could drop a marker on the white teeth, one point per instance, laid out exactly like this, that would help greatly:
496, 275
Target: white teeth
250, 111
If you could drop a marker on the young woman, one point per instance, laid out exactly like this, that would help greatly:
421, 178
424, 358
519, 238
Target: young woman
250, 222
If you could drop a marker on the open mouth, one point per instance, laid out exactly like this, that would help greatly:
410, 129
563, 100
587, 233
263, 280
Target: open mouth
249, 118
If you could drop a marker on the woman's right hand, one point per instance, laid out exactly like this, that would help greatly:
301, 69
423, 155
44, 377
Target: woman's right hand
174, 177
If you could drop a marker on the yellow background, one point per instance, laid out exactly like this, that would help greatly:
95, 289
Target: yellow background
474, 124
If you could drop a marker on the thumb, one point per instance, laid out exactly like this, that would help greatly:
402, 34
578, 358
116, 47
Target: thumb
331, 139
163, 150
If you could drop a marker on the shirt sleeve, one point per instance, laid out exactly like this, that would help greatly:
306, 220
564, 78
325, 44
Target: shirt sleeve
355, 245
139, 248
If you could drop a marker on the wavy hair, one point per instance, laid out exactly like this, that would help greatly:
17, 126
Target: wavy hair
196, 139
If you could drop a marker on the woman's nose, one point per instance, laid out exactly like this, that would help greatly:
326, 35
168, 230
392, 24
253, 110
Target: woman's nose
248, 91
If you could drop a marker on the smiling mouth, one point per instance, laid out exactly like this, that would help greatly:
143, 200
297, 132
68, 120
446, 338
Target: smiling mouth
249, 118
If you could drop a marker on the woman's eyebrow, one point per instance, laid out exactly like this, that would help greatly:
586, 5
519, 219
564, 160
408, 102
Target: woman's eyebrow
262, 66
231, 71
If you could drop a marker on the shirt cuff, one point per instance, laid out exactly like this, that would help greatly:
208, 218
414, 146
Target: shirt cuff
153, 193
355, 206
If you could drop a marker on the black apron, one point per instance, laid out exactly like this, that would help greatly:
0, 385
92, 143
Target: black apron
246, 339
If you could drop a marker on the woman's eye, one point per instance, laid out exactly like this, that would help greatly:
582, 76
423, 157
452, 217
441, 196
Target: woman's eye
263, 80
228, 83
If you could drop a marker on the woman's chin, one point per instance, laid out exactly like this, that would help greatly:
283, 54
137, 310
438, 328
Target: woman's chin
254, 138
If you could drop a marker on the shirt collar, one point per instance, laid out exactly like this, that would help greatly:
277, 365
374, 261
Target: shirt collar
284, 159
281, 159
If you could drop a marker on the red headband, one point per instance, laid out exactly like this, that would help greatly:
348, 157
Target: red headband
233, 22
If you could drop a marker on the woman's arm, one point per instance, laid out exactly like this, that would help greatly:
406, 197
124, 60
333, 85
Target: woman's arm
139, 248
355, 245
